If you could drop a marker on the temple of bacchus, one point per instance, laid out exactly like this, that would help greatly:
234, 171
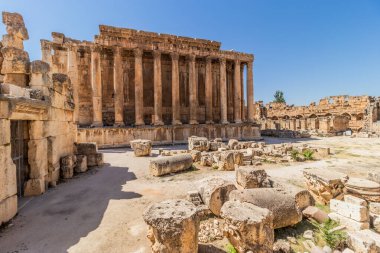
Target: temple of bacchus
127, 78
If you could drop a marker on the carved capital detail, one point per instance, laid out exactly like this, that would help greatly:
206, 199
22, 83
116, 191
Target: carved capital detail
174, 56
157, 54
191, 58
138, 52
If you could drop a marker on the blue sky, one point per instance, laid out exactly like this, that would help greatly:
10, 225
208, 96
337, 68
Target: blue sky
308, 49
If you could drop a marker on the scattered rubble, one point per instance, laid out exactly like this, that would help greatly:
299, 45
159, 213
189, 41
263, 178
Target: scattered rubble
141, 147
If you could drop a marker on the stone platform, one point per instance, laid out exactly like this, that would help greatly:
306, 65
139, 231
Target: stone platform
107, 137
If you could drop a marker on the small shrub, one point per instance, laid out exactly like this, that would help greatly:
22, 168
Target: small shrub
193, 167
230, 248
215, 167
294, 154
308, 154
334, 239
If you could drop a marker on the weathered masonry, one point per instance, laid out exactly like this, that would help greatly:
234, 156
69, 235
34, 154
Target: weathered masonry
127, 78
331, 115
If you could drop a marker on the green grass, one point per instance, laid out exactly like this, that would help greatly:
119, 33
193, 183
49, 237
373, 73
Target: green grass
324, 208
230, 248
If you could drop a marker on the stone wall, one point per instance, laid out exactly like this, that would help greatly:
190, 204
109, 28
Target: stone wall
119, 137
40, 100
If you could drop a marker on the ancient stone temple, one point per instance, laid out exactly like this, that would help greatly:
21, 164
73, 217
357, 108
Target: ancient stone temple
127, 78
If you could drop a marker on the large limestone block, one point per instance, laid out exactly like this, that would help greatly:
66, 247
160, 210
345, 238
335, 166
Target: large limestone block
372, 235
281, 203
170, 164
355, 212
238, 158
67, 166
16, 61
34, 187
248, 177
374, 208
15, 25
316, 214
86, 148
198, 143
8, 209
248, 227
232, 143
141, 147
81, 165
360, 242
173, 226
8, 183
350, 224
12, 41
5, 133
37, 158
95, 160
226, 161
215, 192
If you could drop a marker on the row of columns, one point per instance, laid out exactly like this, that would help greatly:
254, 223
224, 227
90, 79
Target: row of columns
193, 89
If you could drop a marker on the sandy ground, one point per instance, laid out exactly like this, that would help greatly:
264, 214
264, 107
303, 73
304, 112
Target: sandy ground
101, 210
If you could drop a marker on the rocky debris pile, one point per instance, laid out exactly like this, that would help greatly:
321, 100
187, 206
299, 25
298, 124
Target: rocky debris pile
248, 177
363, 188
141, 147
90, 150
15, 61
325, 185
211, 230
170, 164
173, 226
248, 227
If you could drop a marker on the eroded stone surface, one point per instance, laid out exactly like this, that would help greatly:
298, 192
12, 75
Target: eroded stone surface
141, 147
170, 164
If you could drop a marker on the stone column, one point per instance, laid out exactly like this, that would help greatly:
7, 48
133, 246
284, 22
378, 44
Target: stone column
243, 118
223, 92
139, 96
193, 91
96, 84
157, 89
208, 87
118, 87
175, 90
250, 100
72, 72
237, 92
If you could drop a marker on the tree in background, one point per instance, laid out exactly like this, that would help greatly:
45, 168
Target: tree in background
279, 97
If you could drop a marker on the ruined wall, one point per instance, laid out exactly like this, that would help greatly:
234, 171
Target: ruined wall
41, 101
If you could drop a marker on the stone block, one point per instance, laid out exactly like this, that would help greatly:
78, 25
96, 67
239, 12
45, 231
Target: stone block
8, 209
355, 212
360, 242
81, 165
248, 227
88, 148
238, 158
198, 143
249, 177
206, 160
5, 133
34, 187
95, 160
196, 155
350, 224
374, 208
14, 90
374, 220
16, 61
354, 200
281, 203
372, 235
67, 166
215, 192
141, 147
315, 213
15, 25
37, 158
36, 130
4, 109
226, 161
173, 226
232, 143
170, 164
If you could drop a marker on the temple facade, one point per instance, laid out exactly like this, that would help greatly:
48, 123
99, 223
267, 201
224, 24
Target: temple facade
128, 78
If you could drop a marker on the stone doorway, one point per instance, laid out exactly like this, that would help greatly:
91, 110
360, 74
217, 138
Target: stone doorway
19, 151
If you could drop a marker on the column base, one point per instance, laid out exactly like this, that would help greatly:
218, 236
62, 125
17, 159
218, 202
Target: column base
97, 124
119, 124
238, 121
159, 123
140, 124
225, 122
209, 122
193, 122
176, 123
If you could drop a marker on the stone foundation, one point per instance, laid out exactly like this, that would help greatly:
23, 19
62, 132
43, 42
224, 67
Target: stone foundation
165, 135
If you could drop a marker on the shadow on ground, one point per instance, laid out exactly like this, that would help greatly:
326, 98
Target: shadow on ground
66, 213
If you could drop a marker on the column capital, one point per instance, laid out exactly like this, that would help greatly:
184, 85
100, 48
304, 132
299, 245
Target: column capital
250, 64
237, 61
191, 57
209, 59
116, 50
174, 56
71, 47
96, 49
156, 54
222, 61
138, 52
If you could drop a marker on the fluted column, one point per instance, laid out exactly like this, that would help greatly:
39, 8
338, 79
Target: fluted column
242, 105
237, 92
193, 91
118, 87
175, 90
72, 72
208, 92
139, 96
223, 92
157, 89
250, 100
96, 85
